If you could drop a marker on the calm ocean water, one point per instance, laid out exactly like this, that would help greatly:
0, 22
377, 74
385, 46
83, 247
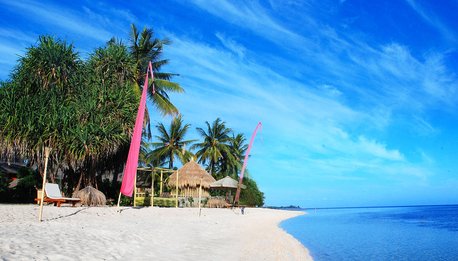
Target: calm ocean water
398, 233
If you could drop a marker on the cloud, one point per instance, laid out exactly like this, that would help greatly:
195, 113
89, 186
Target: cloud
302, 125
251, 16
369, 73
58, 16
433, 21
379, 150
232, 45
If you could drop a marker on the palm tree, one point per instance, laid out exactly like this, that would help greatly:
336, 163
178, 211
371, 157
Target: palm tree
172, 143
238, 147
215, 144
145, 48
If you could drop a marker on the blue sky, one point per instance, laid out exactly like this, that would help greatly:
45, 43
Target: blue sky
358, 99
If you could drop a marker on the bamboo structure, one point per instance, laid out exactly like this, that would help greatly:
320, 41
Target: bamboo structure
141, 183
189, 180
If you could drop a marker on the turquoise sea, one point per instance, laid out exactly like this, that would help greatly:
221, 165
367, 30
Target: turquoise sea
388, 233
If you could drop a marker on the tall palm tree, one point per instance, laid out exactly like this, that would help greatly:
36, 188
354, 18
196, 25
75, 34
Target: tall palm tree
238, 147
215, 144
145, 48
172, 142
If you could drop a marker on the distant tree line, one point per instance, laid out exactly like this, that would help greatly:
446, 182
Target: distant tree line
85, 111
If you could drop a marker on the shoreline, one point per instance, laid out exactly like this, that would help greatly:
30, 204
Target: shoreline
109, 233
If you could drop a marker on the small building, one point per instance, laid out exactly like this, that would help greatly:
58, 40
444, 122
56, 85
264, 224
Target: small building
190, 177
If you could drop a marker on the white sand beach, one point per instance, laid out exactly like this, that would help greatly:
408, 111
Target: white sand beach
104, 233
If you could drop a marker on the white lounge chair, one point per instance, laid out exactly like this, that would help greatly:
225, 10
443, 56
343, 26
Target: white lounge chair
53, 195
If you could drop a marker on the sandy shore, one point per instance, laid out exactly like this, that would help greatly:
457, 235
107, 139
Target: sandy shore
145, 234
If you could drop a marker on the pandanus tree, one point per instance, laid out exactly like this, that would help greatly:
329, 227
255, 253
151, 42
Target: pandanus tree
34, 102
172, 143
84, 110
105, 110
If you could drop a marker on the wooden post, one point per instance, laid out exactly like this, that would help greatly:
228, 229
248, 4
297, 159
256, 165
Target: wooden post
160, 185
152, 186
200, 195
119, 198
176, 196
135, 189
42, 197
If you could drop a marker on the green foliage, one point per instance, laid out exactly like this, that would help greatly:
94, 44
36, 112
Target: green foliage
251, 196
126, 201
145, 48
215, 146
164, 202
84, 110
171, 143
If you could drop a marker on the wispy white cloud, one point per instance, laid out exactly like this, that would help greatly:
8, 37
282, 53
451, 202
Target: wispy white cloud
18, 35
301, 124
232, 45
10, 52
250, 15
379, 150
58, 16
433, 21
372, 74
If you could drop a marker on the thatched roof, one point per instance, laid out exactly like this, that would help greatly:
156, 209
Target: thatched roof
190, 175
226, 183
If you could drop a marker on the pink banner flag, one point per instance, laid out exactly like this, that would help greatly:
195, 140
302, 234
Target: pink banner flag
245, 162
130, 171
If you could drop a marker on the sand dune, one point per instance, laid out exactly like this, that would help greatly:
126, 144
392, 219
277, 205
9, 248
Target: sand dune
108, 233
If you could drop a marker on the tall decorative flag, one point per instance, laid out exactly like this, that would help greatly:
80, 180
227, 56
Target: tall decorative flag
130, 171
245, 162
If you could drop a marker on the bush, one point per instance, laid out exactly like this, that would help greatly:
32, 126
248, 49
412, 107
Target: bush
251, 196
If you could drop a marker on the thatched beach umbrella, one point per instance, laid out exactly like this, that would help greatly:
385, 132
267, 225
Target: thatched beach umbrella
227, 184
190, 177
90, 197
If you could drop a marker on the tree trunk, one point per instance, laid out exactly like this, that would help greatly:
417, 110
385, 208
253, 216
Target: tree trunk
79, 182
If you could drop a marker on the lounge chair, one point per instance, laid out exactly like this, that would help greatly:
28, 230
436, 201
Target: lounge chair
53, 195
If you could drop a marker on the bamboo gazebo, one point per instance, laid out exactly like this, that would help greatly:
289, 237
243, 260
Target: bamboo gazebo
189, 179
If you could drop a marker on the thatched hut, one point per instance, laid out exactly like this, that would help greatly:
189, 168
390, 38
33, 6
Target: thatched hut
189, 178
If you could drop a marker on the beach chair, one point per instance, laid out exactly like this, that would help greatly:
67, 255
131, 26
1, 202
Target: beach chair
53, 195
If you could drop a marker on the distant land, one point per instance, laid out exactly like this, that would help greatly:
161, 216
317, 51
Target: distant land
353, 207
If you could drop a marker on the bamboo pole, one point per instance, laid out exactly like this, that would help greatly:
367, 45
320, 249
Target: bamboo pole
176, 196
135, 189
200, 196
119, 198
42, 197
160, 185
152, 186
